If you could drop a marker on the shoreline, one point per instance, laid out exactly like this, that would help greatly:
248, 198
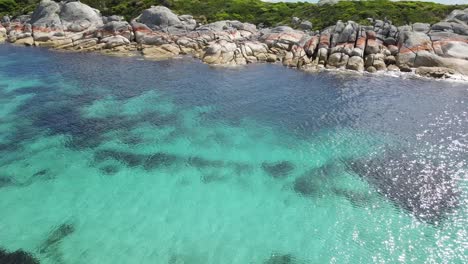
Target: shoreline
456, 78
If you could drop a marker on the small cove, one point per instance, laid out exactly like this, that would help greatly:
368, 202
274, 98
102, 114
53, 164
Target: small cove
118, 160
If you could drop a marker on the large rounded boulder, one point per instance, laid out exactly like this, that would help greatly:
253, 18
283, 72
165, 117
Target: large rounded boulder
46, 15
159, 16
77, 17
162, 18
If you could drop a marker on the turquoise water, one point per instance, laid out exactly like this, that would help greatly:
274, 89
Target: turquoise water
118, 160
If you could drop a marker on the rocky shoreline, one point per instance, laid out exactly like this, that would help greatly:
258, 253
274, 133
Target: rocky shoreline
437, 51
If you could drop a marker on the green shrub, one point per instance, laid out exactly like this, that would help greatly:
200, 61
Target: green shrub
267, 13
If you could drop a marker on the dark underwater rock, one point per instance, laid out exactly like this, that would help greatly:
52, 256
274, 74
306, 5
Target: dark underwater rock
278, 169
424, 187
17, 257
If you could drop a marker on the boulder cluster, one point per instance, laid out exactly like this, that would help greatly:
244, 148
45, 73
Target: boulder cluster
158, 33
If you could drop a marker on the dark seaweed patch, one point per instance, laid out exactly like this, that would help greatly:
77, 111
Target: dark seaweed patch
132, 140
7, 147
313, 182
280, 259
109, 169
41, 173
278, 169
149, 162
200, 162
17, 257
6, 181
158, 119
66, 118
241, 168
50, 248
158, 160
128, 158
29, 90
56, 236
212, 177
423, 187
356, 198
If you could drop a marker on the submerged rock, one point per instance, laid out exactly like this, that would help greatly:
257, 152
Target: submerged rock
17, 257
435, 72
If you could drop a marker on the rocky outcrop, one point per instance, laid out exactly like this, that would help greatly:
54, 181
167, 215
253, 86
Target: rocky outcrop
435, 72
60, 24
3, 33
444, 44
158, 33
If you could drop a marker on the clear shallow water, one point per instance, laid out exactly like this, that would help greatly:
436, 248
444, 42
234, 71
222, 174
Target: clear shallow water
115, 160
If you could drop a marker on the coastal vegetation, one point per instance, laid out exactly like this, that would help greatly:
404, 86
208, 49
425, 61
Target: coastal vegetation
267, 13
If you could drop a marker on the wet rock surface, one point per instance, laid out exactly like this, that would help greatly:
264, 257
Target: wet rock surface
158, 33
